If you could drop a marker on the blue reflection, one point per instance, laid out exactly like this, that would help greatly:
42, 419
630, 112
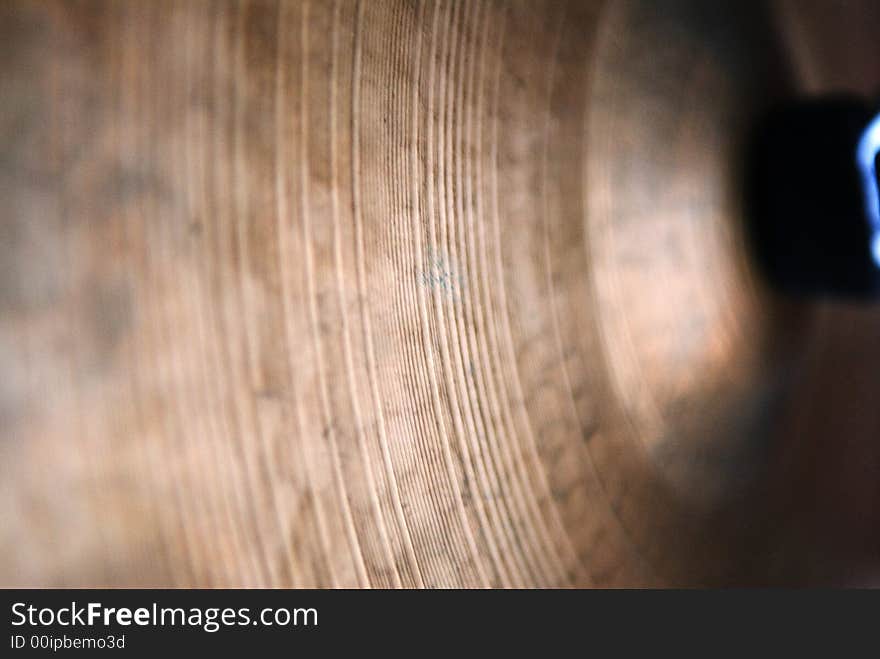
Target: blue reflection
869, 146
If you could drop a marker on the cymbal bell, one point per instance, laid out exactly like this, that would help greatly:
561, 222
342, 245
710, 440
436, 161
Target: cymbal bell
420, 294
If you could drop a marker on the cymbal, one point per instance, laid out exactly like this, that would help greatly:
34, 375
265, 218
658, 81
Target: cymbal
419, 294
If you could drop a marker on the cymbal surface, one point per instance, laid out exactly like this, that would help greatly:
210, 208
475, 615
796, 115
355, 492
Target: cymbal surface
418, 294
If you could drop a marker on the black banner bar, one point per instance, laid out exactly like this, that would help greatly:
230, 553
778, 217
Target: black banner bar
118, 622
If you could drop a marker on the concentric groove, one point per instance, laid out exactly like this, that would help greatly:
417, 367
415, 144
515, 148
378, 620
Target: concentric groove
405, 293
